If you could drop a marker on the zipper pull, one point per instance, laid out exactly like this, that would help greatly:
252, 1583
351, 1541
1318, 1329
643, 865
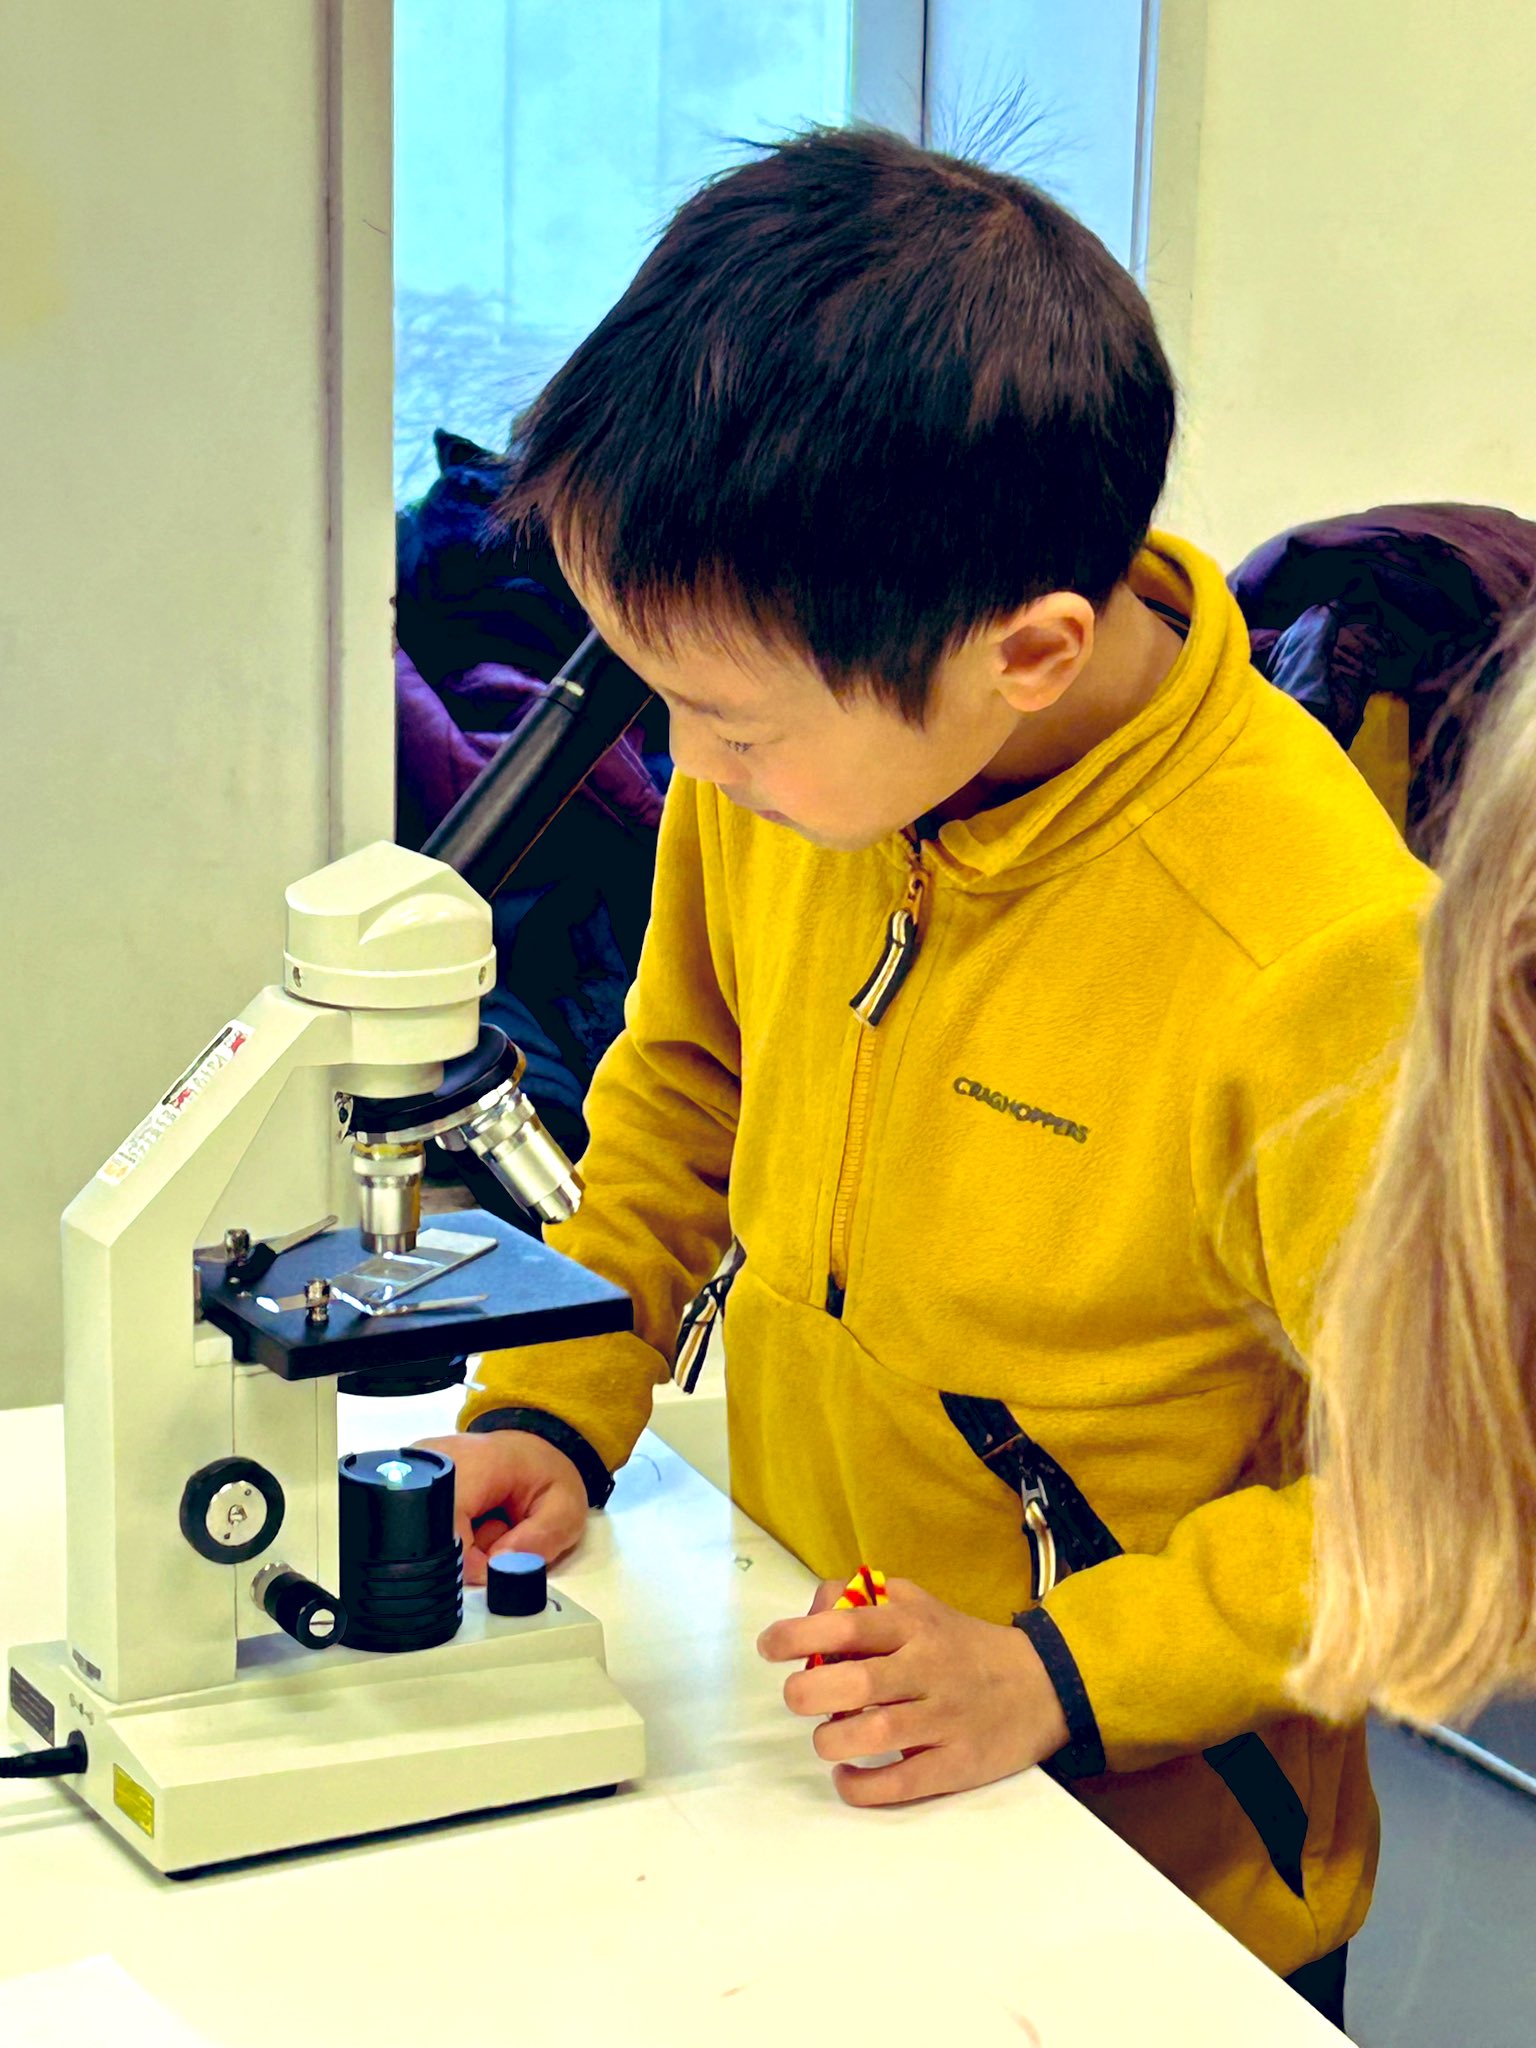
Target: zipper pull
903, 936
1042, 1541
698, 1325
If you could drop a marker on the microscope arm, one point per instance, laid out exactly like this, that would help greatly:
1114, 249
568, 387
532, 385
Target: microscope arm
140, 1412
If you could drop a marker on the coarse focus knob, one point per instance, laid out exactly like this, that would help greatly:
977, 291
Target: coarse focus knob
516, 1582
231, 1510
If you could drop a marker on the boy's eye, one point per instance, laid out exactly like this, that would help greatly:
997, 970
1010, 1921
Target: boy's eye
738, 746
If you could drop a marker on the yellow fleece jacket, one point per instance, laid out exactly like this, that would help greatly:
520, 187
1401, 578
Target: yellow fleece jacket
1089, 1163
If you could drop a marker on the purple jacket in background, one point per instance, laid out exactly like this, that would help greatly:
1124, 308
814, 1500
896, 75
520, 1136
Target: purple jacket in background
1416, 601
437, 759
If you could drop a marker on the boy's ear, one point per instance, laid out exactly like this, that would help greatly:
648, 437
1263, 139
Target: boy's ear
1042, 649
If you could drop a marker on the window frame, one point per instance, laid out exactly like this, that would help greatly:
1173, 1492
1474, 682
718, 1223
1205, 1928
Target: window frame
888, 84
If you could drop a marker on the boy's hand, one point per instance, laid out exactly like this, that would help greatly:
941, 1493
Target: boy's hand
965, 1701
533, 1492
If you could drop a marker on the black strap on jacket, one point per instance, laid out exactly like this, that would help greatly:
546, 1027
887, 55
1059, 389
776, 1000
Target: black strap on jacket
1246, 1765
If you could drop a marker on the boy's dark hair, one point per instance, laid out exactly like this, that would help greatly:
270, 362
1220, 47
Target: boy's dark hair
861, 400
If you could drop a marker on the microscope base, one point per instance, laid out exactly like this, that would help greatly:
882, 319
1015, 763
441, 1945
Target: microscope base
307, 1747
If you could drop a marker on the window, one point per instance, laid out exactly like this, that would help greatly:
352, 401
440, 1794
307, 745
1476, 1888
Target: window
1076, 71
540, 146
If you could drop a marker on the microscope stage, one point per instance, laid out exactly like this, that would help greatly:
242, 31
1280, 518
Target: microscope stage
532, 1296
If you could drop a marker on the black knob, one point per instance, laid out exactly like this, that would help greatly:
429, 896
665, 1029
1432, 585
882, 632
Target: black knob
302, 1609
231, 1510
516, 1582
402, 1575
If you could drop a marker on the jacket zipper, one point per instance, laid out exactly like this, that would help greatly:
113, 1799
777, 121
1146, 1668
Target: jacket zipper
1065, 1534
903, 937
1043, 1567
1059, 1541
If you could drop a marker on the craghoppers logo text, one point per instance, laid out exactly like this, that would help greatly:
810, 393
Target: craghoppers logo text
1023, 1112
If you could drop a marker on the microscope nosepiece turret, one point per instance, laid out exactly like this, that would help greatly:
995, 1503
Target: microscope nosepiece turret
481, 1108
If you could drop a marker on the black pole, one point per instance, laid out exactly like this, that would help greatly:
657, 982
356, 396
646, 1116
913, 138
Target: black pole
547, 758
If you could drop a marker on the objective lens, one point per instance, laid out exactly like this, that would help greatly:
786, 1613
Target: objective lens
508, 1136
389, 1193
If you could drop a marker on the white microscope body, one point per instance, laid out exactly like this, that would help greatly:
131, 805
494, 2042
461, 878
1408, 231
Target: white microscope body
209, 1734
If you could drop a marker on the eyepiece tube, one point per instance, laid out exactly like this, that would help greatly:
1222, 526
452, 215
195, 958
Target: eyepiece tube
591, 702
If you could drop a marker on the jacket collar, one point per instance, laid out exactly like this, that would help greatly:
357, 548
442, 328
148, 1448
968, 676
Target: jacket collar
1198, 710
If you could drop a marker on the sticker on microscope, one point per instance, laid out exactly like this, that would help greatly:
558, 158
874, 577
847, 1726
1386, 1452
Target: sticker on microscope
183, 1091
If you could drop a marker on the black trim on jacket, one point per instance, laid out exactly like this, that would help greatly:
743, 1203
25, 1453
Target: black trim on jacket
1246, 1765
595, 1475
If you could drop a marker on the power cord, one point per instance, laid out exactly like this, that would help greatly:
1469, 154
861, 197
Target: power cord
47, 1763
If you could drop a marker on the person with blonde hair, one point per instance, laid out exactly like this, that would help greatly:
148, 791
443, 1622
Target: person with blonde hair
1423, 1415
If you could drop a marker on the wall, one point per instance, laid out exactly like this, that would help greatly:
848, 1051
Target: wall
195, 552
1342, 255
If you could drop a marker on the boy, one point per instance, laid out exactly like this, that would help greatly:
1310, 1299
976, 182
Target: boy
1019, 994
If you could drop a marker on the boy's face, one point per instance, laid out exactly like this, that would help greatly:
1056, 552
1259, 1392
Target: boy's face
843, 773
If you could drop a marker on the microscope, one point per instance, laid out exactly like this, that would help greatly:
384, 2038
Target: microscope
268, 1647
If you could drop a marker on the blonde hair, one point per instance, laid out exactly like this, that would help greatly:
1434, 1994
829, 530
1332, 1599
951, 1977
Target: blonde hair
1423, 1423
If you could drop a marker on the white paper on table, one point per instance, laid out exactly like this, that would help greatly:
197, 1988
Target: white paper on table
95, 1999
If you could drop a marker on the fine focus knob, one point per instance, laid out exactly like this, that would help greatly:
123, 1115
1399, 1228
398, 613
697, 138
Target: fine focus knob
516, 1582
300, 1608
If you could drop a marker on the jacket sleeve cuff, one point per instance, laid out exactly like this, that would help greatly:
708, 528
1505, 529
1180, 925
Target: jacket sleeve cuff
1083, 1756
595, 1475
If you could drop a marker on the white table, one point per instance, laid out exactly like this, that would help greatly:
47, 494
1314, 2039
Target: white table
730, 1899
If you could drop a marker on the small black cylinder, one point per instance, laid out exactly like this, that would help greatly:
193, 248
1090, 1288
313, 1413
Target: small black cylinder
304, 1610
402, 1566
516, 1582
540, 767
